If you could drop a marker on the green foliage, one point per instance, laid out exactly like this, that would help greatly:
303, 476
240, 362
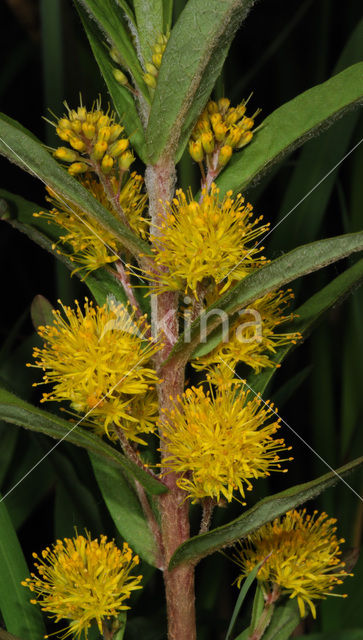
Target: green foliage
264, 511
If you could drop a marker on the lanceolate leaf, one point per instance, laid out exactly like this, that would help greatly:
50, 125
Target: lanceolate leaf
264, 511
121, 97
291, 125
192, 62
149, 18
110, 19
125, 509
16, 411
308, 314
20, 617
284, 621
31, 156
19, 213
296, 263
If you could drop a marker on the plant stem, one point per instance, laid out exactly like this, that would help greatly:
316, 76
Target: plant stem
208, 506
266, 615
174, 509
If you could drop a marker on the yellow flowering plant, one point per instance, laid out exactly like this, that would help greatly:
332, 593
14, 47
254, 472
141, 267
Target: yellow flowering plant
160, 371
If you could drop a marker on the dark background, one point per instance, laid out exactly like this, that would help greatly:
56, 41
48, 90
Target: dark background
282, 49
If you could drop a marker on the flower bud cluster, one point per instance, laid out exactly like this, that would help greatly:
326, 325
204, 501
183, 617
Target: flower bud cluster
152, 68
96, 142
219, 131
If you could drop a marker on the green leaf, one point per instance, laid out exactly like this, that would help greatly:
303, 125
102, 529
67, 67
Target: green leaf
121, 97
16, 411
124, 507
192, 62
257, 607
168, 14
309, 314
20, 617
20, 215
110, 19
241, 597
291, 125
149, 19
31, 156
292, 265
284, 621
264, 511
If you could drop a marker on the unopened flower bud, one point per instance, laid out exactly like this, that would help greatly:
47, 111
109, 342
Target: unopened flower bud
220, 131
64, 123
223, 104
77, 168
116, 130
64, 134
224, 155
247, 123
107, 163
99, 149
77, 144
126, 160
65, 154
120, 77
89, 130
157, 58
207, 142
103, 121
104, 133
234, 136
119, 147
212, 107
196, 150
76, 126
245, 139
115, 56
150, 68
150, 80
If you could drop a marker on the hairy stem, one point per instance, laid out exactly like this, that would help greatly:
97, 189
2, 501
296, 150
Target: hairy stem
179, 583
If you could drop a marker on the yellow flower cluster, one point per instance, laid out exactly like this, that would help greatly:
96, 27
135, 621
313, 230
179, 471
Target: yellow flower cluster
205, 242
301, 553
98, 360
219, 131
219, 442
91, 246
83, 580
152, 68
252, 338
96, 142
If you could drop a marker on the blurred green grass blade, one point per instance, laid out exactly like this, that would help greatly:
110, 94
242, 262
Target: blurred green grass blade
21, 618
293, 124
24, 151
285, 392
192, 62
16, 411
121, 97
52, 59
8, 439
125, 510
111, 21
30, 493
309, 314
257, 607
247, 583
284, 621
264, 511
20, 215
314, 161
149, 19
301, 261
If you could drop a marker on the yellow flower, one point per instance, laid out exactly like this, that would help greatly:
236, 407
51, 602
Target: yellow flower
220, 441
90, 245
252, 338
305, 557
96, 139
205, 242
220, 130
98, 360
83, 580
